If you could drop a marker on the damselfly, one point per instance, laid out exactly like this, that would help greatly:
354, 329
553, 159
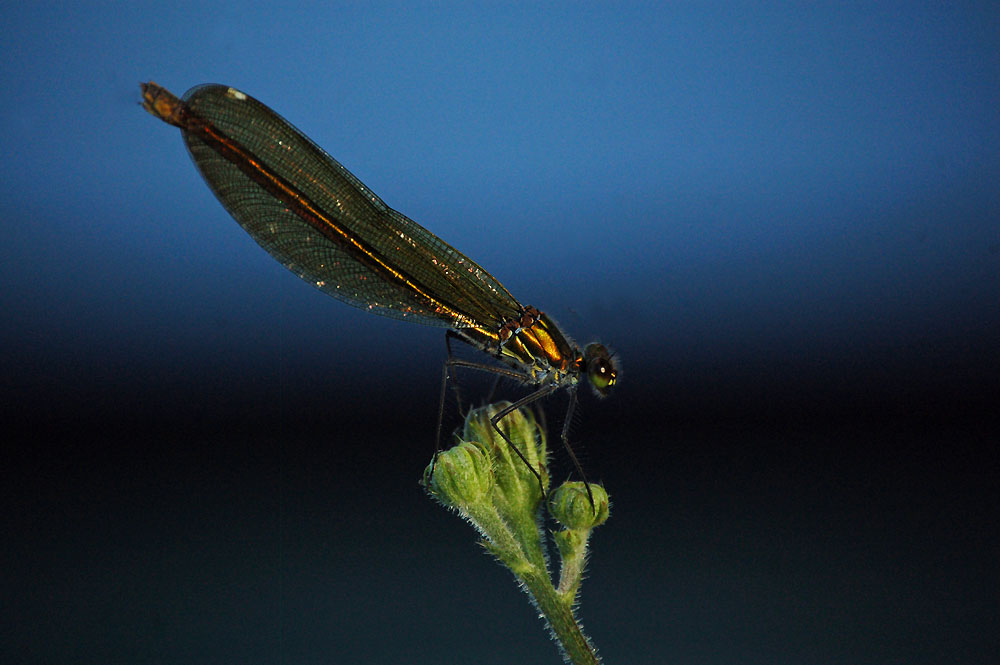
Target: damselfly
323, 224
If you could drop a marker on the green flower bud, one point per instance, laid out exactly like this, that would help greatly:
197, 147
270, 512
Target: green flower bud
570, 506
513, 476
462, 476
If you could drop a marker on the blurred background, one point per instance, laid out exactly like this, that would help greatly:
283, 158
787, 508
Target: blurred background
784, 219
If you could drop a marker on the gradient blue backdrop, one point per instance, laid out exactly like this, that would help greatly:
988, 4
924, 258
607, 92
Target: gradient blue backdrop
784, 217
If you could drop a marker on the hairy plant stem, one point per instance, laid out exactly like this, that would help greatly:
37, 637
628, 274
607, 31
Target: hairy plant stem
490, 487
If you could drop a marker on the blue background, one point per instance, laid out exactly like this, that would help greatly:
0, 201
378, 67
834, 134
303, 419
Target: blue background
784, 218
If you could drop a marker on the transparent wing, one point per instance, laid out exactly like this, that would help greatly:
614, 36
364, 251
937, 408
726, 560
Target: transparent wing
323, 224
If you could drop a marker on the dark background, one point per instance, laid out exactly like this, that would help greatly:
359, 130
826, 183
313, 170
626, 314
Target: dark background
786, 221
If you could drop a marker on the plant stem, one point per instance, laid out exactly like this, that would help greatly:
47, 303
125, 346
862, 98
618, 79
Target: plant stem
559, 615
490, 487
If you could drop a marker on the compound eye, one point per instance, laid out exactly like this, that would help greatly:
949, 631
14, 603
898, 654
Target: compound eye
602, 375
